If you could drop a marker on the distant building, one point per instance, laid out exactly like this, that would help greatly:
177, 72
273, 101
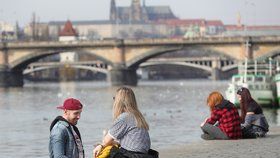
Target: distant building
37, 31
87, 30
135, 21
260, 30
141, 21
193, 27
68, 34
8, 32
136, 12
102, 29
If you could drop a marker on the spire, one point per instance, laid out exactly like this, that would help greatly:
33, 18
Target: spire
136, 10
113, 11
239, 20
144, 12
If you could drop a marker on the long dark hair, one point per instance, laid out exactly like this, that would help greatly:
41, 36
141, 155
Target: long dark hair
246, 98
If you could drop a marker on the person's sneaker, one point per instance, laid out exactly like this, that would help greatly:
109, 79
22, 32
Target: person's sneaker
259, 134
207, 137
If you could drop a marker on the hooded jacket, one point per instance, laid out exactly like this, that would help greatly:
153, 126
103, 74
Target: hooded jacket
227, 117
62, 142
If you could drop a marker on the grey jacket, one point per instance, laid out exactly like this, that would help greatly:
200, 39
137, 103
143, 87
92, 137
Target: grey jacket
62, 142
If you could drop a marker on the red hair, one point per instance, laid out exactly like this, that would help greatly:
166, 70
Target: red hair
214, 98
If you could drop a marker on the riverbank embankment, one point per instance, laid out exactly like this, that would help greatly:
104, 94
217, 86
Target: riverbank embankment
242, 148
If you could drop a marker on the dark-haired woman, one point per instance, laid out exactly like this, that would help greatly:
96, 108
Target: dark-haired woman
254, 123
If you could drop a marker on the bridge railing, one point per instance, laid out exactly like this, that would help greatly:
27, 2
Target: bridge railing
146, 41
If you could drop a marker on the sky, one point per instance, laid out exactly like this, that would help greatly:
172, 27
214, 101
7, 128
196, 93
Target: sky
252, 12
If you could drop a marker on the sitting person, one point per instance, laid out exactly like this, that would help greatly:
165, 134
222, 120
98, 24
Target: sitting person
254, 123
130, 129
224, 122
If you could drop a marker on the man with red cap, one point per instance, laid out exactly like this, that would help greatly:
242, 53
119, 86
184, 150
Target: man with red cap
65, 138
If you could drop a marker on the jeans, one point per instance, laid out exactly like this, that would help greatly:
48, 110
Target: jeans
212, 132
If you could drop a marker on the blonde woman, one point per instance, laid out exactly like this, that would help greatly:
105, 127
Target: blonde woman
130, 128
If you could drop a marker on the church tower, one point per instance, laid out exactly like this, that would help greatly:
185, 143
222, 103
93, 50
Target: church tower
113, 11
145, 17
135, 11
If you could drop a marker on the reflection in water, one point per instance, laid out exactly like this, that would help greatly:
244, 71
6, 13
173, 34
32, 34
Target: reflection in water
272, 115
67, 89
174, 110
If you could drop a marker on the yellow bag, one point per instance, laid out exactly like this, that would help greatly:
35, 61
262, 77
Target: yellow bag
105, 152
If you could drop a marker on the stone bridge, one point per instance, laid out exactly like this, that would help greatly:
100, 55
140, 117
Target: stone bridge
125, 56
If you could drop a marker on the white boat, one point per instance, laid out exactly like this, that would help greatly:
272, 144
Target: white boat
258, 80
277, 83
260, 87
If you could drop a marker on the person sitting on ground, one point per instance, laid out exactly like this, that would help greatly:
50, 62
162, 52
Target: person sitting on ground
224, 122
254, 123
130, 129
65, 138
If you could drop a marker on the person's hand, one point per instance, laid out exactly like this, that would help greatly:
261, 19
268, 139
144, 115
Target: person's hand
97, 150
202, 124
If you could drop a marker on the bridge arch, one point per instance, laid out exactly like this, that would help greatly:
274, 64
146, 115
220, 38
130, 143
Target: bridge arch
134, 63
72, 66
23, 61
205, 68
274, 53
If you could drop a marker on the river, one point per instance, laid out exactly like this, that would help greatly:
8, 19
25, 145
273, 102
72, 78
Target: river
173, 109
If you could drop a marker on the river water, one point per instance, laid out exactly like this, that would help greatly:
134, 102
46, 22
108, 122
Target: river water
173, 109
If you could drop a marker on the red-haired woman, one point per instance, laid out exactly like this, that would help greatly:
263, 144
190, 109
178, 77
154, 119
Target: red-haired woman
224, 122
254, 123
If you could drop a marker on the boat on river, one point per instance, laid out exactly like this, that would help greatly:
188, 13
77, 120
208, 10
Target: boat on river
260, 87
277, 89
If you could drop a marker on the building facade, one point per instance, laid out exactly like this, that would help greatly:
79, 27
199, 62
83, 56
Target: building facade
139, 13
8, 32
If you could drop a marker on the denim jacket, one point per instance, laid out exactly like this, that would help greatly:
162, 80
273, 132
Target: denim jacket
62, 143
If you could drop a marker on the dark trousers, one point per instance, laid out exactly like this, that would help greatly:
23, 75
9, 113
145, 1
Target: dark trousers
212, 132
253, 132
122, 153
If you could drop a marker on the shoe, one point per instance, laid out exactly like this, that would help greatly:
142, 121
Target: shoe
207, 137
259, 134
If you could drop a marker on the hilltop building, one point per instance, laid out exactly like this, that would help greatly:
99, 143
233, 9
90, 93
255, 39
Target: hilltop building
138, 13
141, 21
134, 21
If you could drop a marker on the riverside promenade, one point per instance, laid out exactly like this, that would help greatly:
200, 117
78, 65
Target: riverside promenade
242, 148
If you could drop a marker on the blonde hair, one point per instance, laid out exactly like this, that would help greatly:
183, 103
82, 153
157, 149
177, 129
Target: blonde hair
214, 98
125, 101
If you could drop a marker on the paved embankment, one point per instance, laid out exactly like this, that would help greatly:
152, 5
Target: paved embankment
268, 147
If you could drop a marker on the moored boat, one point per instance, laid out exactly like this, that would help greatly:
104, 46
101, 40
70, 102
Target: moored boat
260, 87
277, 83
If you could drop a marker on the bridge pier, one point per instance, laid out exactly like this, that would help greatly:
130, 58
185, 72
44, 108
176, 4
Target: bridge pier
122, 76
216, 74
11, 78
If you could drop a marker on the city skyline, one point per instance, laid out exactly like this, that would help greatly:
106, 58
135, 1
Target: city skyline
252, 12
